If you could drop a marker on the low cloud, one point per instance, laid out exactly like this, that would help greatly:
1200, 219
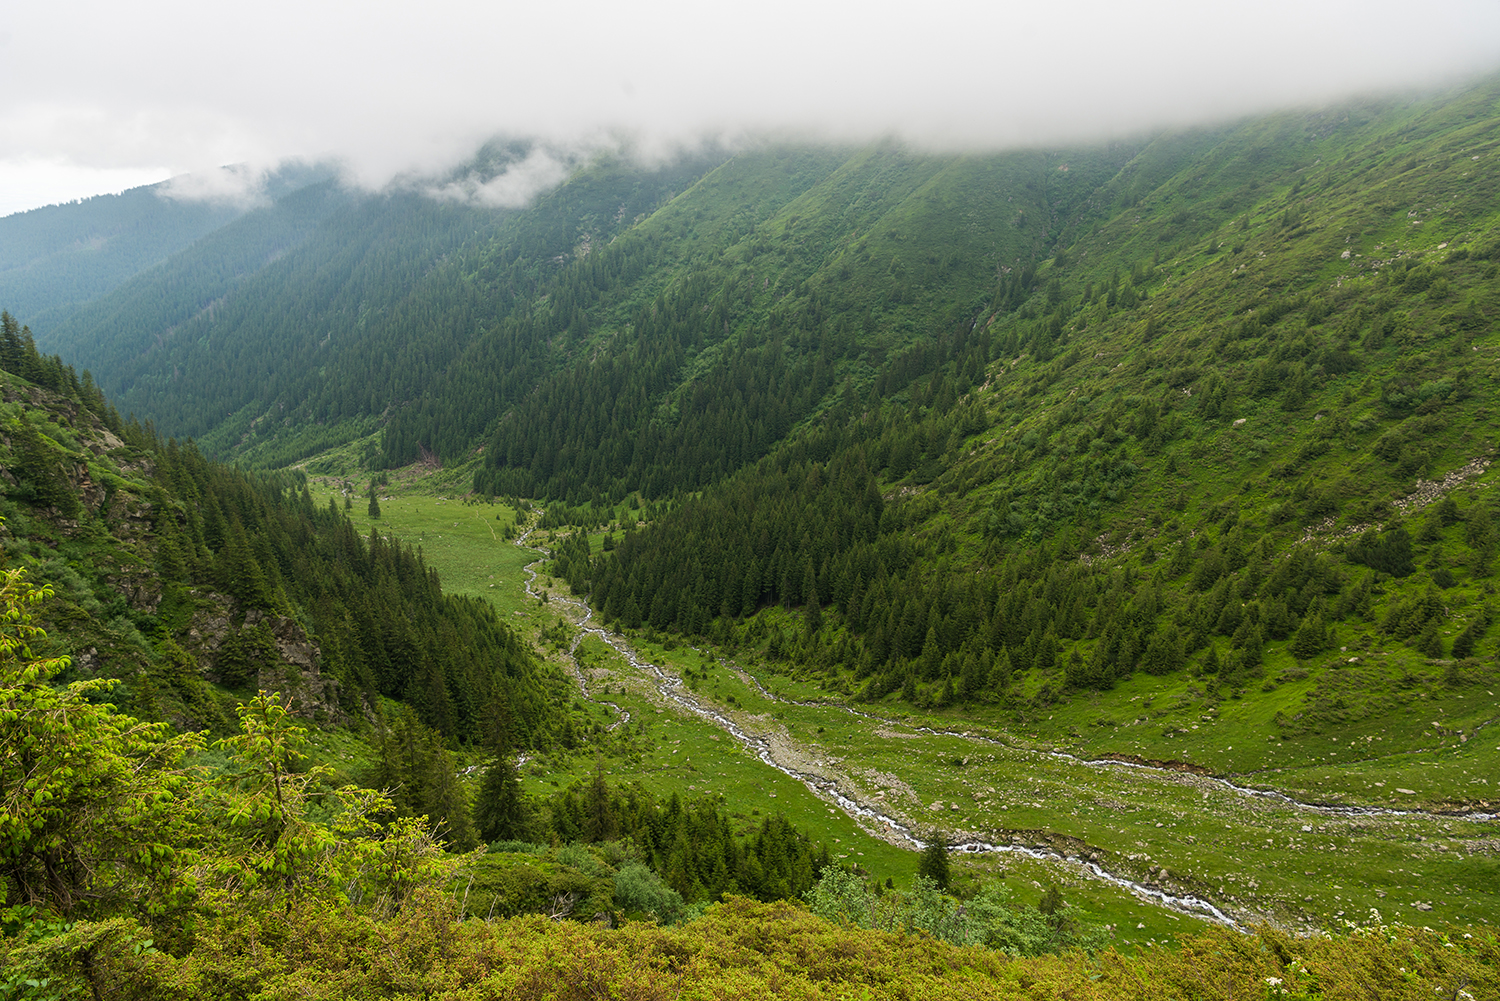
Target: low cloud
395, 92
238, 184
515, 186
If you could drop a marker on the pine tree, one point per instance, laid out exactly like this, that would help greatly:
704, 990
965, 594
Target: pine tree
934, 864
1052, 901
600, 822
1466, 641
1311, 637
501, 812
1429, 641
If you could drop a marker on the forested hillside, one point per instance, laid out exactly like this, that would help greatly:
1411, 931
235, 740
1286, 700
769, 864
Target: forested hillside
171, 571
1193, 438
292, 329
56, 259
1117, 516
1064, 416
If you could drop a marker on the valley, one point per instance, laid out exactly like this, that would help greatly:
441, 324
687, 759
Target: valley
1307, 835
1106, 536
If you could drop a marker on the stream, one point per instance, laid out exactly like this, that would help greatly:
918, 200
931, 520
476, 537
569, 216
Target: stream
671, 687
1329, 809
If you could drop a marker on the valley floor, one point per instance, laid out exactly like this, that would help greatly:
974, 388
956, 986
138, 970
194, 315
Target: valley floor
1307, 837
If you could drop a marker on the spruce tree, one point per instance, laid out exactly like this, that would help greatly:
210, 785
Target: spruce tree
1052, 901
934, 864
500, 813
1311, 638
1430, 642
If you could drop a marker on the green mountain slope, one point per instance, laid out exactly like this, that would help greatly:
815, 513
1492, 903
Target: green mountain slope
331, 308
1176, 452
997, 428
193, 584
53, 260
1236, 437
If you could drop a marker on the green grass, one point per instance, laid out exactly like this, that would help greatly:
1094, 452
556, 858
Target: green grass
680, 752
669, 750
1251, 855
465, 542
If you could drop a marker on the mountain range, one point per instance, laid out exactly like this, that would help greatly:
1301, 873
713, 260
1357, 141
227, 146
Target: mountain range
1173, 450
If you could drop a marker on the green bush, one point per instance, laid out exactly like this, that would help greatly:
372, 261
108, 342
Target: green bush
637, 888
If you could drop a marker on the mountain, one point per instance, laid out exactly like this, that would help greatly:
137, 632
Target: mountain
1125, 507
57, 258
1205, 434
296, 323
192, 584
1026, 423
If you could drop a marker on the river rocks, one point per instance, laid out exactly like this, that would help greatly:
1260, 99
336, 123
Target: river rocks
1427, 491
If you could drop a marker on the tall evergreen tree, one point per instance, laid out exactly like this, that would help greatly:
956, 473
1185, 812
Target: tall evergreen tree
501, 812
934, 863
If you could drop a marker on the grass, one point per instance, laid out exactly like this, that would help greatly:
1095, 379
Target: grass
1257, 857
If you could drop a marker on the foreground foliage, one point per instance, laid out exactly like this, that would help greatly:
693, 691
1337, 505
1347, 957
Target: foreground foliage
989, 918
91, 801
742, 948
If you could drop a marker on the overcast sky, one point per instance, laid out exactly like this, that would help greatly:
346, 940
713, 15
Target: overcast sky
98, 96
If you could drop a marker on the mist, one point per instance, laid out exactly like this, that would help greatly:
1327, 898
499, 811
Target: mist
171, 87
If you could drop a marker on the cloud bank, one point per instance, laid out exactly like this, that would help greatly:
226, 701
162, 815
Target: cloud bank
397, 90
517, 184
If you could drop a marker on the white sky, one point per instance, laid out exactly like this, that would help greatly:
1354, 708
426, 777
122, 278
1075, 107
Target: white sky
96, 96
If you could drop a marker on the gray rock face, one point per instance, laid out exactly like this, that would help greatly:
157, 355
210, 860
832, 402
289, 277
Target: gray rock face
257, 649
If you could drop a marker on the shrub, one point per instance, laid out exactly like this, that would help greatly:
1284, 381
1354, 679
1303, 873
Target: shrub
637, 888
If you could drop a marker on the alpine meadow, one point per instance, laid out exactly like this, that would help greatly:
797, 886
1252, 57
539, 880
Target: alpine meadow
781, 569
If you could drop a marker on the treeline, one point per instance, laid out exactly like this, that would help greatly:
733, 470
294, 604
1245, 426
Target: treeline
756, 339
693, 846
603, 429
510, 358
19, 356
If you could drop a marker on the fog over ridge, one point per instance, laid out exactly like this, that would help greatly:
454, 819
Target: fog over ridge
395, 92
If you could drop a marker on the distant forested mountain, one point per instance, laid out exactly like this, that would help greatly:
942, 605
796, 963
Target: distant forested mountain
298, 320
57, 258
